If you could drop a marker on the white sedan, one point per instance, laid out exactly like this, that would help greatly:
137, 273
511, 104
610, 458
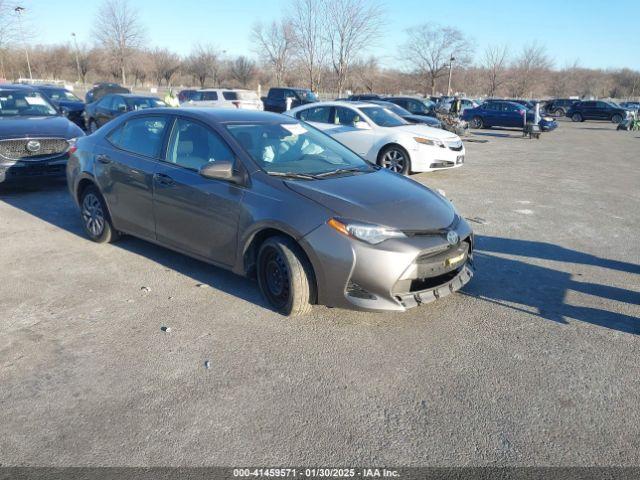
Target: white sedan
380, 136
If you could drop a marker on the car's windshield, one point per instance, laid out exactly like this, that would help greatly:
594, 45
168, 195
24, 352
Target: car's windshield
16, 103
61, 94
142, 103
295, 148
383, 117
307, 95
401, 112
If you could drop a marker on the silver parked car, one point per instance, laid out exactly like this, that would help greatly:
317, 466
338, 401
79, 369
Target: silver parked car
270, 197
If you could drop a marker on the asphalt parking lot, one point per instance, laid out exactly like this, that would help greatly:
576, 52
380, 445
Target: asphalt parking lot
535, 362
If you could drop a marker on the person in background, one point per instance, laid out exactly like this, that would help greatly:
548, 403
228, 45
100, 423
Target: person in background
456, 106
171, 99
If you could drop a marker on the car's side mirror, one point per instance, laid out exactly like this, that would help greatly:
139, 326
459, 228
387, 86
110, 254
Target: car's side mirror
220, 170
360, 125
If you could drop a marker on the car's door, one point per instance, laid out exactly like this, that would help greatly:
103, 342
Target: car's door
195, 214
347, 131
588, 110
103, 112
513, 115
125, 164
491, 114
603, 111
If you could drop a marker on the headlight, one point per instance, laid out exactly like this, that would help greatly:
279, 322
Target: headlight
372, 234
432, 142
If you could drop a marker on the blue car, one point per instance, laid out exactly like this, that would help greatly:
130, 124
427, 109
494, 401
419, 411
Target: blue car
501, 113
65, 101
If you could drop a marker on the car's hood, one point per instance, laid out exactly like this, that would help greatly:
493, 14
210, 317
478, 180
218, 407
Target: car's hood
41, 127
381, 198
426, 131
421, 119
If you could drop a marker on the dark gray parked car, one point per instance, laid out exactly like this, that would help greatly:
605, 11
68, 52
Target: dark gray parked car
270, 197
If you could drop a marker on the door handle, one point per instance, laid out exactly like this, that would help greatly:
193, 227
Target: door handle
103, 159
164, 180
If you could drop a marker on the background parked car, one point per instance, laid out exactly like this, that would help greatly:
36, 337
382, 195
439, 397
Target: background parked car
113, 105
225, 98
597, 110
414, 105
632, 106
276, 99
362, 97
65, 101
186, 95
501, 113
382, 137
559, 106
464, 104
408, 116
99, 90
34, 137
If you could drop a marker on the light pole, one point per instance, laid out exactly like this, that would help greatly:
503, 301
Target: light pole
451, 60
75, 41
19, 11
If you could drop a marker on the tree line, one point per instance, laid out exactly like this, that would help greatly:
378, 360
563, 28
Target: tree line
318, 44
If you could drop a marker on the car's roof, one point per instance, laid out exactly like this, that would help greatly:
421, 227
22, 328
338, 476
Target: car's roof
16, 86
222, 115
129, 95
340, 103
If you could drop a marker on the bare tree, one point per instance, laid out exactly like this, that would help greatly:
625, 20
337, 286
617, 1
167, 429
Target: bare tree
307, 23
429, 48
164, 64
495, 63
8, 31
275, 42
203, 63
350, 25
242, 70
118, 29
529, 69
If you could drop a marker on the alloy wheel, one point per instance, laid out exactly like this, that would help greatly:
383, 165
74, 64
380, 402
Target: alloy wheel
394, 160
93, 215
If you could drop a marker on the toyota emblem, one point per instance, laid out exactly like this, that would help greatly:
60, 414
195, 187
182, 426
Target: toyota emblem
33, 146
452, 238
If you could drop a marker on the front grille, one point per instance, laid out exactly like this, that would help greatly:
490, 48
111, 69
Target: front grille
32, 148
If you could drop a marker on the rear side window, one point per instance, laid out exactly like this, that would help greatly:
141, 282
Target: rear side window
209, 96
230, 95
140, 135
276, 93
317, 114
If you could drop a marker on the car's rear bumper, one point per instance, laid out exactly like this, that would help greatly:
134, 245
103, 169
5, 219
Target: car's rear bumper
395, 275
17, 172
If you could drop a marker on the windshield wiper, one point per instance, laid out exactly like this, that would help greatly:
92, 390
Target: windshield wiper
338, 172
302, 176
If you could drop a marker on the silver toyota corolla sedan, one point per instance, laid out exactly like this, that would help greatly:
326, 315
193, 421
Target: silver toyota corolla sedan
272, 198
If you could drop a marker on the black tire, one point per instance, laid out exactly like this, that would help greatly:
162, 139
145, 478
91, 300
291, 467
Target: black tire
93, 126
476, 122
96, 221
576, 117
559, 112
617, 118
395, 158
285, 276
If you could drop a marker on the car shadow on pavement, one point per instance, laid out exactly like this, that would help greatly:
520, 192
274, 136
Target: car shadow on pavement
52, 203
542, 291
498, 135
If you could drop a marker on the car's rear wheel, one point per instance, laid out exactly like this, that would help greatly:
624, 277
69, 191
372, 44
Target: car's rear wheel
285, 276
476, 122
617, 118
576, 117
93, 126
95, 217
395, 158
559, 112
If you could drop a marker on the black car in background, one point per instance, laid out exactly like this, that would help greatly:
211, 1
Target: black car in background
364, 97
559, 106
34, 137
65, 101
416, 106
597, 110
99, 90
276, 99
408, 116
113, 105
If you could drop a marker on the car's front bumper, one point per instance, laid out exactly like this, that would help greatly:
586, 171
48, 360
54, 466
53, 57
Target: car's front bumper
23, 171
430, 158
394, 275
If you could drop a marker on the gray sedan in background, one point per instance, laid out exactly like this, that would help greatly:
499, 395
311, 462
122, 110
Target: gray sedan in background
272, 198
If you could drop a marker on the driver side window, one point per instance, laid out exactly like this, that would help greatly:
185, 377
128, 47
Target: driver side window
118, 104
346, 116
193, 145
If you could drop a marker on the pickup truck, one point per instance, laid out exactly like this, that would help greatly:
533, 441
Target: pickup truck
276, 99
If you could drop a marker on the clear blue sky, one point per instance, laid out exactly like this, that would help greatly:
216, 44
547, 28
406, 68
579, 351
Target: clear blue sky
590, 31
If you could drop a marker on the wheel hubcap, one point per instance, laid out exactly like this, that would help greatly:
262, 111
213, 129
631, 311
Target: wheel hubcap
93, 215
394, 160
275, 277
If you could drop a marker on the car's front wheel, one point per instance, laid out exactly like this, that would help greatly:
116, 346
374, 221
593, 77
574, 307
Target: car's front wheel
395, 158
617, 118
559, 112
285, 276
476, 122
95, 217
576, 117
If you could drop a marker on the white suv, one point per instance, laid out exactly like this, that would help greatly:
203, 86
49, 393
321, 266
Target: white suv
225, 98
